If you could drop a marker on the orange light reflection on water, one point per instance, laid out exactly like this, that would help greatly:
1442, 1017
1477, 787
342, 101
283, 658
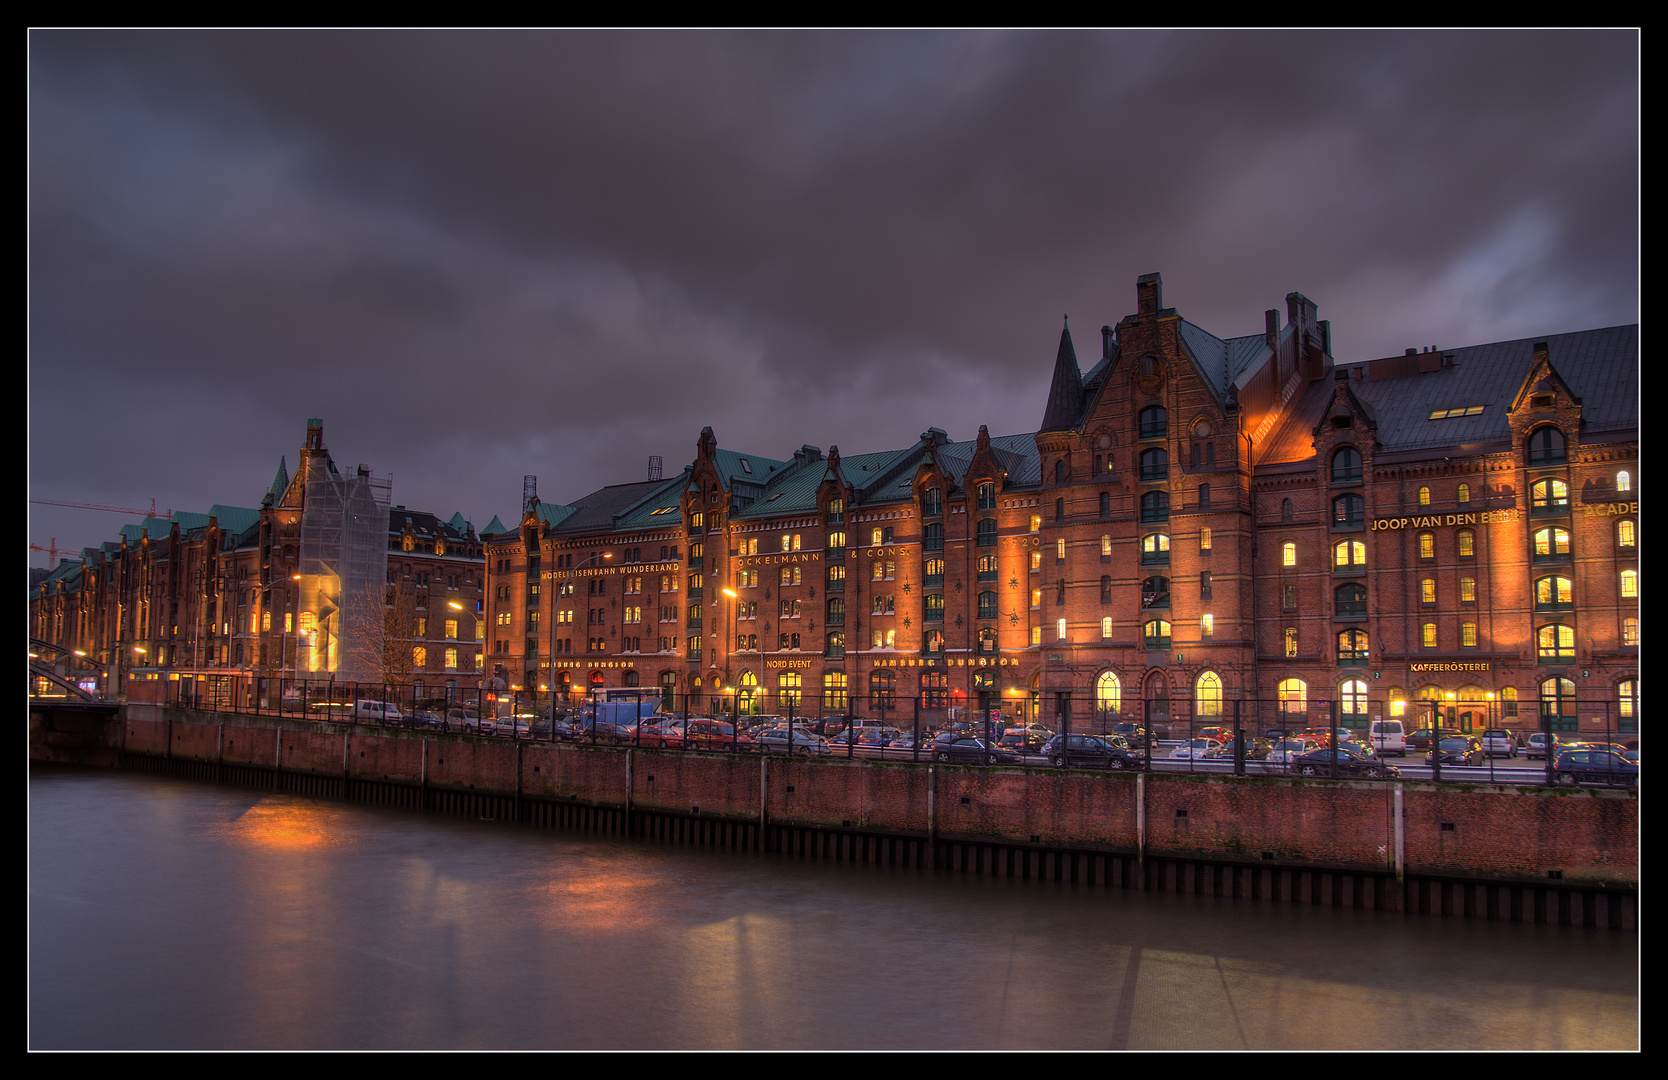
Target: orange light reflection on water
287, 826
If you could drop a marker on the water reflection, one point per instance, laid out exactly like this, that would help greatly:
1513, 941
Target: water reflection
171, 914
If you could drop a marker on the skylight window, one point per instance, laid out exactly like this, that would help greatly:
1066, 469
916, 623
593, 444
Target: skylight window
1449, 414
746, 466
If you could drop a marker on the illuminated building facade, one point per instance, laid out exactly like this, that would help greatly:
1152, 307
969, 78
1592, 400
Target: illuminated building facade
1197, 521
324, 580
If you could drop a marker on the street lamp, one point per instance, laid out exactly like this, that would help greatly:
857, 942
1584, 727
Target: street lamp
560, 589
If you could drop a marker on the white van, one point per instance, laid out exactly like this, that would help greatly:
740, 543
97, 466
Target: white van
378, 712
1388, 737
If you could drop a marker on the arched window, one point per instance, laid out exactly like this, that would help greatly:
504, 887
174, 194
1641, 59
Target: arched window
1627, 704
1427, 635
1552, 543
1349, 553
1350, 600
1624, 482
747, 691
1155, 506
1427, 545
1466, 541
1468, 590
1546, 446
1109, 693
1352, 703
1558, 704
1156, 634
1288, 553
1352, 647
1294, 697
1424, 496
1207, 694
1348, 510
987, 605
1624, 533
874, 538
1285, 509
987, 496
1346, 466
1427, 591
1556, 642
1155, 463
1554, 593
1155, 548
1463, 494
1154, 422
1549, 495
1155, 592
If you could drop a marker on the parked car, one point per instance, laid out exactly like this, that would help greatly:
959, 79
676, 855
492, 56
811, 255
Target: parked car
1388, 737
1345, 759
1091, 751
1457, 750
1499, 742
1256, 748
701, 734
1538, 743
798, 742
1287, 750
1421, 739
952, 746
1595, 765
1197, 750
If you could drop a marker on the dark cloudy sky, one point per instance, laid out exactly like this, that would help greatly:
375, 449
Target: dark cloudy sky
481, 255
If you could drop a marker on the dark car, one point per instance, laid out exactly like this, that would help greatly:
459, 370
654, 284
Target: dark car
1256, 749
1133, 734
1349, 761
1595, 765
1092, 751
1458, 750
952, 746
1421, 739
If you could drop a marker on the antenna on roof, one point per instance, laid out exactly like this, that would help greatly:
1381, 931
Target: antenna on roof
654, 466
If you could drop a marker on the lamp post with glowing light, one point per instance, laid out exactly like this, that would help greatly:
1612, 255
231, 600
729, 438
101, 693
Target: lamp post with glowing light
561, 589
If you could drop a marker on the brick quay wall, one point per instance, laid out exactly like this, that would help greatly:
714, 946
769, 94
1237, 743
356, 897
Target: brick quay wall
1484, 850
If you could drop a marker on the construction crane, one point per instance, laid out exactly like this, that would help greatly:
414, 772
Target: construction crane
53, 550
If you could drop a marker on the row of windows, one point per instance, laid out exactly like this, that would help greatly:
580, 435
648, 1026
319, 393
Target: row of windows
1551, 542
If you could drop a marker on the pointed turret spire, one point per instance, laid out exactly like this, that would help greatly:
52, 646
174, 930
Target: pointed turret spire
1065, 395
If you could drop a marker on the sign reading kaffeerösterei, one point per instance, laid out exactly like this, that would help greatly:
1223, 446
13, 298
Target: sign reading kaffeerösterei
1450, 665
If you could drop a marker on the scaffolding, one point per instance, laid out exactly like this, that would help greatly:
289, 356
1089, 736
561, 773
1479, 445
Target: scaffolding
344, 566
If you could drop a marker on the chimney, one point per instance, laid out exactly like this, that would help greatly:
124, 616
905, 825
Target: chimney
1149, 294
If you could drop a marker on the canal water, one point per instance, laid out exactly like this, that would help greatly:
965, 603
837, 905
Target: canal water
179, 914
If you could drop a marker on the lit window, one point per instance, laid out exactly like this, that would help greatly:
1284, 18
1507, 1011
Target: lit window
1204, 539
1207, 694
1288, 554
1349, 553
1105, 545
1060, 550
1624, 534
1036, 561
1207, 625
1427, 591
1627, 691
1352, 700
1157, 634
1398, 704
1352, 647
1558, 703
1291, 641
1630, 631
1630, 584
1036, 635
1464, 493
1552, 543
1155, 548
1109, 693
1106, 628
419, 657
1467, 541
1036, 598
1468, 635
1036, 522
1468, 590
1427, 635
1424, 496
1624, 482
1554, 592
1427, 545
1294, 696
1556, 642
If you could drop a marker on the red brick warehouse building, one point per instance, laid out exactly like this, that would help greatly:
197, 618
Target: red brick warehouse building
1197, 521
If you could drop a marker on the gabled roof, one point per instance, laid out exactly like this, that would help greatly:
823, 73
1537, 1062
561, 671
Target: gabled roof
596, 512
1065, 391
1221, 361
494, 527
1600, 366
